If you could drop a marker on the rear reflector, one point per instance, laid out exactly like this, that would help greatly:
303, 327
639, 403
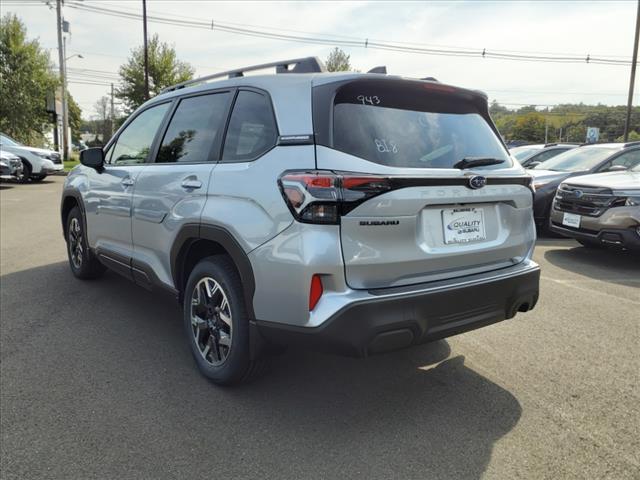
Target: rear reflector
315, 291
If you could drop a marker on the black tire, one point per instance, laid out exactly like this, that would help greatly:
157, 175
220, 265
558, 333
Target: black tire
26, 173
83, 263
237, 365
38, 178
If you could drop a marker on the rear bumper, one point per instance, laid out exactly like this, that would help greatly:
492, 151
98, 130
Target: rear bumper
389, 319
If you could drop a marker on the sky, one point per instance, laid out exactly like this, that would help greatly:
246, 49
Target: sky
604, 28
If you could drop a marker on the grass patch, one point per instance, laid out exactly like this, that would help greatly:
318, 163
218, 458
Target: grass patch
70, 164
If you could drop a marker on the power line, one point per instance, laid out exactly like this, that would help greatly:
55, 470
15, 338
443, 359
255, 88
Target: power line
462, 52
350, 37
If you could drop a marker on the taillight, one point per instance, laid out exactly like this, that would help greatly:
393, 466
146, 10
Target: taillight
315, 291
319, 196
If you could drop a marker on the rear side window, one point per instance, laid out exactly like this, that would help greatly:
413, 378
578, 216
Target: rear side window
134, 143
252, 129
405, 124
194, 128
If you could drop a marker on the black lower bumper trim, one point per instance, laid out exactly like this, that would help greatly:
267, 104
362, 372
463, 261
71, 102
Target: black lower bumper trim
383, 324
624, 238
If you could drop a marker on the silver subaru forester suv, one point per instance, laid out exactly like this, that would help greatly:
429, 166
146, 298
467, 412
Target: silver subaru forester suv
355, 212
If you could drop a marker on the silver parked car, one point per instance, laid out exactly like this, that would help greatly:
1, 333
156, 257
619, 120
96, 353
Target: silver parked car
37, 163
10, 166
355, 212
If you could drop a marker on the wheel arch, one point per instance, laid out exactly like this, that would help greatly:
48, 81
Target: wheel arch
195, 242
27, 162
69, 200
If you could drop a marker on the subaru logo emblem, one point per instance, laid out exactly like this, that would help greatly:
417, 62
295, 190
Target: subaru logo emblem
477, 181
578, 193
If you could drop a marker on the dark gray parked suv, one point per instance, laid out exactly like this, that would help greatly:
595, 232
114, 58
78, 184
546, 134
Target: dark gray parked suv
356, 212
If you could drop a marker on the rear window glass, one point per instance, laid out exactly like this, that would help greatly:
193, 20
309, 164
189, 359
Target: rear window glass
577, 159
521, 153
406, 125
252, 129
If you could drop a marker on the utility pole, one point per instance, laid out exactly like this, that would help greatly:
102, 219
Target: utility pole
111, 115
632, 80
63, 81
146, 53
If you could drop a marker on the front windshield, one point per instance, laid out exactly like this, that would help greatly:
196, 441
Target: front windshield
577, 159
9, 141
522, 152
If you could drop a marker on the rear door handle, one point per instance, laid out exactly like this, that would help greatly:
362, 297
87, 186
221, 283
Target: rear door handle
127, 182
191, 183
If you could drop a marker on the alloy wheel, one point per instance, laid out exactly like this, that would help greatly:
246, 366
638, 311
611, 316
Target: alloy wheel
211, 321
76, 250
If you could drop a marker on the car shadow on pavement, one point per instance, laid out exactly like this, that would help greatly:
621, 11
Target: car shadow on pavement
555, 242
603, 264
118, 378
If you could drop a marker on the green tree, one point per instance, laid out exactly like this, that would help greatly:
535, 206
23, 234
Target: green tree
529, 127
25, 81
633, 137
164, 70
338, 61
75, 117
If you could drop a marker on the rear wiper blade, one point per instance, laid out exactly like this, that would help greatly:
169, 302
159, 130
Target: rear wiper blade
469, 162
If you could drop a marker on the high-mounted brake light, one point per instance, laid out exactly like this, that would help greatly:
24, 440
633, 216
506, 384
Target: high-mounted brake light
319, 196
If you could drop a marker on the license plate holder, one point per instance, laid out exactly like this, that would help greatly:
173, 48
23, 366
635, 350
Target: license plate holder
571, 220
463, 225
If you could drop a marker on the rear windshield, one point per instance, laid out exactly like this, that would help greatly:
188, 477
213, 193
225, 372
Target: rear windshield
412, 126
522, 153
577, 159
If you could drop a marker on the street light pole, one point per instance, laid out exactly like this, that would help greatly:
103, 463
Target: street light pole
146, 52
634, 61
65, 103
63, 80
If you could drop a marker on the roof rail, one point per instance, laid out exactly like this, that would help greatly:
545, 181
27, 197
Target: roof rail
555, 144
296, 65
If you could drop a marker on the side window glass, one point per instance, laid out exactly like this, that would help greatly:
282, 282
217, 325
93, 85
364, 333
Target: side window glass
628, 159
252, 130
193, 129
134, 143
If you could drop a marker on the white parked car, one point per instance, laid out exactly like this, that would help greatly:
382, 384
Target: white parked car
37, 163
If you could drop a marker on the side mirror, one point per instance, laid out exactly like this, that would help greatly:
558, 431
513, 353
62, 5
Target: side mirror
616, 168
92, 157
533, 164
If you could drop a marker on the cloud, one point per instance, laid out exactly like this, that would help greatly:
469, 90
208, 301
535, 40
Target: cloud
557, 27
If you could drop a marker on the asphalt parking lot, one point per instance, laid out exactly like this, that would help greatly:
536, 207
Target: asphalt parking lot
97, 382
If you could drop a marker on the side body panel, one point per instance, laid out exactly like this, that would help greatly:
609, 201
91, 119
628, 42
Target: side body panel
244, 197
163, 204
108, 207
